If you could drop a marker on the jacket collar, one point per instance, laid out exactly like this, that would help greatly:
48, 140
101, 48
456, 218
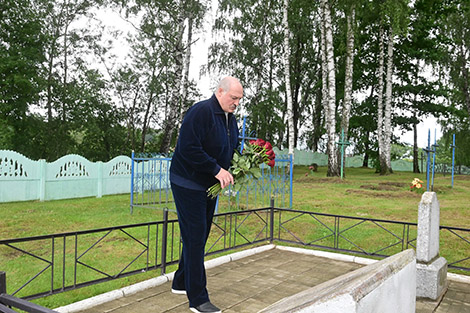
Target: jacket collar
217, 107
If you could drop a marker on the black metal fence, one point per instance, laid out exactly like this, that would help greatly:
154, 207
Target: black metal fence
46, 265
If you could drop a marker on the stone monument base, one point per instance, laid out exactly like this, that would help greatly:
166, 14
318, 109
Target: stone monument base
431, 279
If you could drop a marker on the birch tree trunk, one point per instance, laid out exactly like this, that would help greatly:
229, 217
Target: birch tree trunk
187, 62
380, 109
346, 114
348, 80
169, 124
388, 108
465, 88
324, 71
331, 120
290, 111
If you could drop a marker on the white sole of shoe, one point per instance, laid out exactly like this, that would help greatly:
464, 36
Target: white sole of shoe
197, 311
178, 292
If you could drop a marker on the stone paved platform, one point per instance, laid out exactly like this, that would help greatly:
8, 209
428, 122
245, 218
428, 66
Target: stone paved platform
254, 282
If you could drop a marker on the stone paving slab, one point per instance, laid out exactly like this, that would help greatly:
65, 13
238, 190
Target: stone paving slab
254, 282
456, 299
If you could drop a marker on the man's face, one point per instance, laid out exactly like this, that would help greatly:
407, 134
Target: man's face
229, 100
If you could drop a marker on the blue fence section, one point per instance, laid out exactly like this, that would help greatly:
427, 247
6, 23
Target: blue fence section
150, 182
150, 186
275, 183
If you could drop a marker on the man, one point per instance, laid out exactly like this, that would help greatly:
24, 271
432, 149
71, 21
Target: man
207, 140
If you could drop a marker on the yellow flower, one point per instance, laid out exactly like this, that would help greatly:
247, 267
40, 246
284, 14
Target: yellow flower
416, 183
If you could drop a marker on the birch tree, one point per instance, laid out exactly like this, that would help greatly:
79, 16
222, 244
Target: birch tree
175, 100
380, 108
387, 132
331, 90
395, 20
290, 112
349, 68
348, 80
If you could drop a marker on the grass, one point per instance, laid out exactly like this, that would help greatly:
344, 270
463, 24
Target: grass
362, 193
366, 194
24, 219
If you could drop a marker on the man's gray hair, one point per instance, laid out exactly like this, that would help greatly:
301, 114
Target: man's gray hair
226, 82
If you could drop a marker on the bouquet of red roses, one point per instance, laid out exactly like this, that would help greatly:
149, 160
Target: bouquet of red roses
246, 165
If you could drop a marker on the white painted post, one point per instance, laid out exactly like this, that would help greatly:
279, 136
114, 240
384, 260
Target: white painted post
100, 180
431, 275
42, 180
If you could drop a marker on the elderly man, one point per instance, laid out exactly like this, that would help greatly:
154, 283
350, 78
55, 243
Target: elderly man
207, 140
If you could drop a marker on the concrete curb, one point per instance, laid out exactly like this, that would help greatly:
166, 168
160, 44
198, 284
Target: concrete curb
458, 278
360, 260
153, 282
330, 255
113, 295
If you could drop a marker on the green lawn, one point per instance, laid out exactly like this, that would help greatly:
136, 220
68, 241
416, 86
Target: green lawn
366, 194
362, 193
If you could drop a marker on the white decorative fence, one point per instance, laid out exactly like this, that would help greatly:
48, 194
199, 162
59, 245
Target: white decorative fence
71, 176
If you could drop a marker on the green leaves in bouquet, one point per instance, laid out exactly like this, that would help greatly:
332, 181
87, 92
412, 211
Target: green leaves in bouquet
245, 166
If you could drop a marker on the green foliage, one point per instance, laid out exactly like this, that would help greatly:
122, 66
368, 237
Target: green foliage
401, 151
21, 54
462, 149
253, 53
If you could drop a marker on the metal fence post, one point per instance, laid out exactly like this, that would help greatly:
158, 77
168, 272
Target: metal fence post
271, 221
164, 239
291, 176
3, 283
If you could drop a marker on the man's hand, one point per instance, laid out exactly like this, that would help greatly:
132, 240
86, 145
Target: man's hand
224, 177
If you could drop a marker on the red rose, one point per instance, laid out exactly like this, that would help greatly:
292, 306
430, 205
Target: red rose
268, 146
271, 154
260, 142
271, 163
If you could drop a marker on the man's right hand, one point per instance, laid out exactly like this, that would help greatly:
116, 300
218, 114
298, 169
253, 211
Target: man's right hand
224, 177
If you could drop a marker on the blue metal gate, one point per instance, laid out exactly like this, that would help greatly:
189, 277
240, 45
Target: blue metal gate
150, 182
150, 186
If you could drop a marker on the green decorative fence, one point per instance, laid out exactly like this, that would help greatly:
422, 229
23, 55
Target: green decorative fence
71, 176
303, 157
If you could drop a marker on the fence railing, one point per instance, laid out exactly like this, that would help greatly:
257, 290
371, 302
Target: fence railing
7, 302
66, 261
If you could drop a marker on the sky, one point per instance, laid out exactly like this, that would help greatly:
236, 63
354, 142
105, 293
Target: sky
428, 125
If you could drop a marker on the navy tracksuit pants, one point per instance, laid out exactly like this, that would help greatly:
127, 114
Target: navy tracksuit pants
195, 212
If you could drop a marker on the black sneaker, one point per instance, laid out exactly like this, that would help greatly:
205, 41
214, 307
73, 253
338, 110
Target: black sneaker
206, 308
